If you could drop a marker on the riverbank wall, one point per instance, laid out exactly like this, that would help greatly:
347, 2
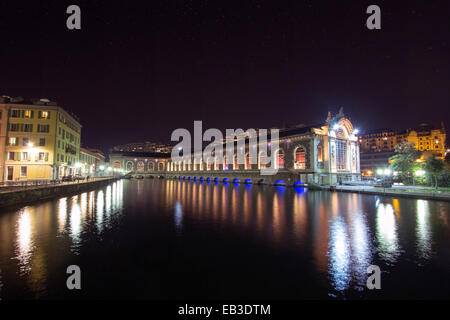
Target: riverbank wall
436, 195
24, 196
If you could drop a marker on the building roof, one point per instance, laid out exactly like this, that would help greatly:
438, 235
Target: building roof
36, 102
140, 154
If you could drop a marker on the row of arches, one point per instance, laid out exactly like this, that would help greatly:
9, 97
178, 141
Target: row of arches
212, 163
140, 166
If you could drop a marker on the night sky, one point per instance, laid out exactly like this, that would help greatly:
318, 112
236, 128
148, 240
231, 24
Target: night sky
138, 70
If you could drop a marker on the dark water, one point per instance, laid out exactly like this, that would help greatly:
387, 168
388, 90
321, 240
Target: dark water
162, 239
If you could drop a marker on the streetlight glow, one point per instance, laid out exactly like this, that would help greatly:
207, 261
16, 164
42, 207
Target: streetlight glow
420, 173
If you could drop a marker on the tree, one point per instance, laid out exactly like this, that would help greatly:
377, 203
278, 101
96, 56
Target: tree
404, 160
434, 167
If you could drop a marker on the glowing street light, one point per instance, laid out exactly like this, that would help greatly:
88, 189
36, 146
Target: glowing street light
420, 173
30, 144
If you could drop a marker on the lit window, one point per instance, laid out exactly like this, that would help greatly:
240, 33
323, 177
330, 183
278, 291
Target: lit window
23, 171
13, 141
280, 157
319, 154
300, 159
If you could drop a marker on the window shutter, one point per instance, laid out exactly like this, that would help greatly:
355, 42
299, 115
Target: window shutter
32, 114
48, 115
46, 156
16, 156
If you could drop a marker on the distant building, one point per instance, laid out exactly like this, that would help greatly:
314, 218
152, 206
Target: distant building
143, 147
42, 140
3, 133
90, 161
377, 146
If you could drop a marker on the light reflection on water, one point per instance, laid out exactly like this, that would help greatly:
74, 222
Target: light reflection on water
388, 247
25, 246
335, 236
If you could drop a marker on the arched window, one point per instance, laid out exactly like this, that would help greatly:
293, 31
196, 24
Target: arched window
140, 166
235, 162
300, 158
160, 166
247, 162
262, 160
319, 154
200, 165
129, 166
216, 163
208, 164
225, 163
151, 166
280, 159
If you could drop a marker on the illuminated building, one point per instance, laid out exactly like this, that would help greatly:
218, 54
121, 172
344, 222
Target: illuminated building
90, 160
377, 146
143, 147
42, 140
3, 130
324, 153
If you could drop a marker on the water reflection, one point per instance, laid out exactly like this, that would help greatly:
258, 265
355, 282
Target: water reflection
62, 214
330, 238
423, 231
178, 214
362, 250
24, 242
75, 225
387, 238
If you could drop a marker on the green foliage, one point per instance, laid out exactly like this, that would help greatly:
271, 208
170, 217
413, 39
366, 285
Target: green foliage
444, 179
434, 167
404, 161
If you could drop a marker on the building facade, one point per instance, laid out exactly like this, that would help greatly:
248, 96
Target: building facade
42, 140
377, 146
3, 133
325, 153
147, 146
90, 161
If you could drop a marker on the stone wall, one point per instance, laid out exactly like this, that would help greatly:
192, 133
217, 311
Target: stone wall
24, 196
